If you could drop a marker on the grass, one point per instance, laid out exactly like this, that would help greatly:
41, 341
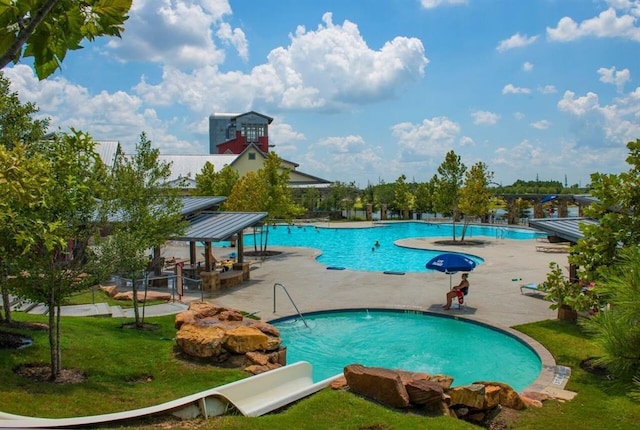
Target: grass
129, 369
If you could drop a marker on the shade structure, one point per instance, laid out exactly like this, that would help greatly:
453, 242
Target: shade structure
451, 263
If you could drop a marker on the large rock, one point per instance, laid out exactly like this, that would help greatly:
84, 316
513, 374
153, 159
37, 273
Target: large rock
509, 398
471, 395
422, 392
224, 336
201, 342
383, 385
244, 339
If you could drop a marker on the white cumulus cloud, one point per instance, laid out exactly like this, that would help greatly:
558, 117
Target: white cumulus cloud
606, 24
512, 89
541, 125
527, 66
516, 41
616, 77
482, 117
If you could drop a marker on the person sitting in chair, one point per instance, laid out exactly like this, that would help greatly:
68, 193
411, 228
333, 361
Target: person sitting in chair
459, 291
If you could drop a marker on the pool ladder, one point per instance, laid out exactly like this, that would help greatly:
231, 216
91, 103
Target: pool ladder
290, 299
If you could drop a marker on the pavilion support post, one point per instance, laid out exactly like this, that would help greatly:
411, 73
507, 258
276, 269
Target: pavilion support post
240, 247
157, 262
193, 258
208, 253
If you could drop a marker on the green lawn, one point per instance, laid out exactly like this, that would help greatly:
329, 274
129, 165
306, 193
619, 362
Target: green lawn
129, 369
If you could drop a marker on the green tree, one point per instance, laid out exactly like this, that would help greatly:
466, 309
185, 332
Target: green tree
206, 180
17, 124
403, 199
248, 194
212, 183
617, 210
424, 196
24, 179
450, 179
475, 195
226, 180
65, 222
310, 198
615, 328
47, 29
145, 210
267, 190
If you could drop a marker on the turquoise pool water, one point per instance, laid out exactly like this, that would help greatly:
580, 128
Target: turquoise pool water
354, 248
412, 341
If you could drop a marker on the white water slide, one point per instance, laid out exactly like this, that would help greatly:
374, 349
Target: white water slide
252, 396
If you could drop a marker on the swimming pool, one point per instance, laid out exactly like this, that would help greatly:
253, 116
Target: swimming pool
408, 340
354, 248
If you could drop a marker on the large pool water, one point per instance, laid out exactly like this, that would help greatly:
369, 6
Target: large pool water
408, 340
355, 248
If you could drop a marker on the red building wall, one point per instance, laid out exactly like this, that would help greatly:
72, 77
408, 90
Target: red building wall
239, 144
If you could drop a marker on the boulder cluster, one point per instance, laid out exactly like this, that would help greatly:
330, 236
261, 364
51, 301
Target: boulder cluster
225, 337
434, 393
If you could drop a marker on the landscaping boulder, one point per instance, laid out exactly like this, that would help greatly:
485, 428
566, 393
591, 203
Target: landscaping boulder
382, 385
223, 336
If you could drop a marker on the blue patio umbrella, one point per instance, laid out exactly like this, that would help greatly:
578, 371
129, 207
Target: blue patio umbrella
451, 263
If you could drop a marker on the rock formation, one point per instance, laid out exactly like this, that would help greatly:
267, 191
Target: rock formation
225, 337
434, 393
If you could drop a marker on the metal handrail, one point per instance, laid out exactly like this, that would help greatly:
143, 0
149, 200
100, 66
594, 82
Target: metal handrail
290, 299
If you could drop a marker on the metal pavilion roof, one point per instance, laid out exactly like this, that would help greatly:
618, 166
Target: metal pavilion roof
190, 204
565, 228
217, 226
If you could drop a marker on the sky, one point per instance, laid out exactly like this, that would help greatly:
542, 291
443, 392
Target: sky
366, 91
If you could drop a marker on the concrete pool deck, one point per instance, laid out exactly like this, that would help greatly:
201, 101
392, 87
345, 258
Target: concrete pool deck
494, 297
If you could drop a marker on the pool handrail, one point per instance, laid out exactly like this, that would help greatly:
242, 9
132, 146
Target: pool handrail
277, 284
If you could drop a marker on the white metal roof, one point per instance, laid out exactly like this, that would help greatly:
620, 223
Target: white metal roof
187, 165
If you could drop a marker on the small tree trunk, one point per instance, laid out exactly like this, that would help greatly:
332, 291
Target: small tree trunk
6, 305
53, 347
136, 311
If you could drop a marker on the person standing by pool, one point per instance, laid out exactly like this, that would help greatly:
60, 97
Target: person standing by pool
459, 290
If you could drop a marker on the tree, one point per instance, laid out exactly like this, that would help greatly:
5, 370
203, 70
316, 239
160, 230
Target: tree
424, 196
47, 29
403, 199
450, 179
145, 210
615, 328
212, 183
22, 178
266, 190
64, 223
475, 196
206, 180
617, 210
17, 124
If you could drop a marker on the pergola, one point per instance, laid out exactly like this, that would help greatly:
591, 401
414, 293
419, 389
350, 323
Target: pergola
207, 225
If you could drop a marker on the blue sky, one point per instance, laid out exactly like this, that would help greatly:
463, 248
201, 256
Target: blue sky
366, 91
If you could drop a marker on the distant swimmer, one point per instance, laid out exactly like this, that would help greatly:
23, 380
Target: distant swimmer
377, 243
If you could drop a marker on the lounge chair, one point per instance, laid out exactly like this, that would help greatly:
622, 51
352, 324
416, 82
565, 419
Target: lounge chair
530, 287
